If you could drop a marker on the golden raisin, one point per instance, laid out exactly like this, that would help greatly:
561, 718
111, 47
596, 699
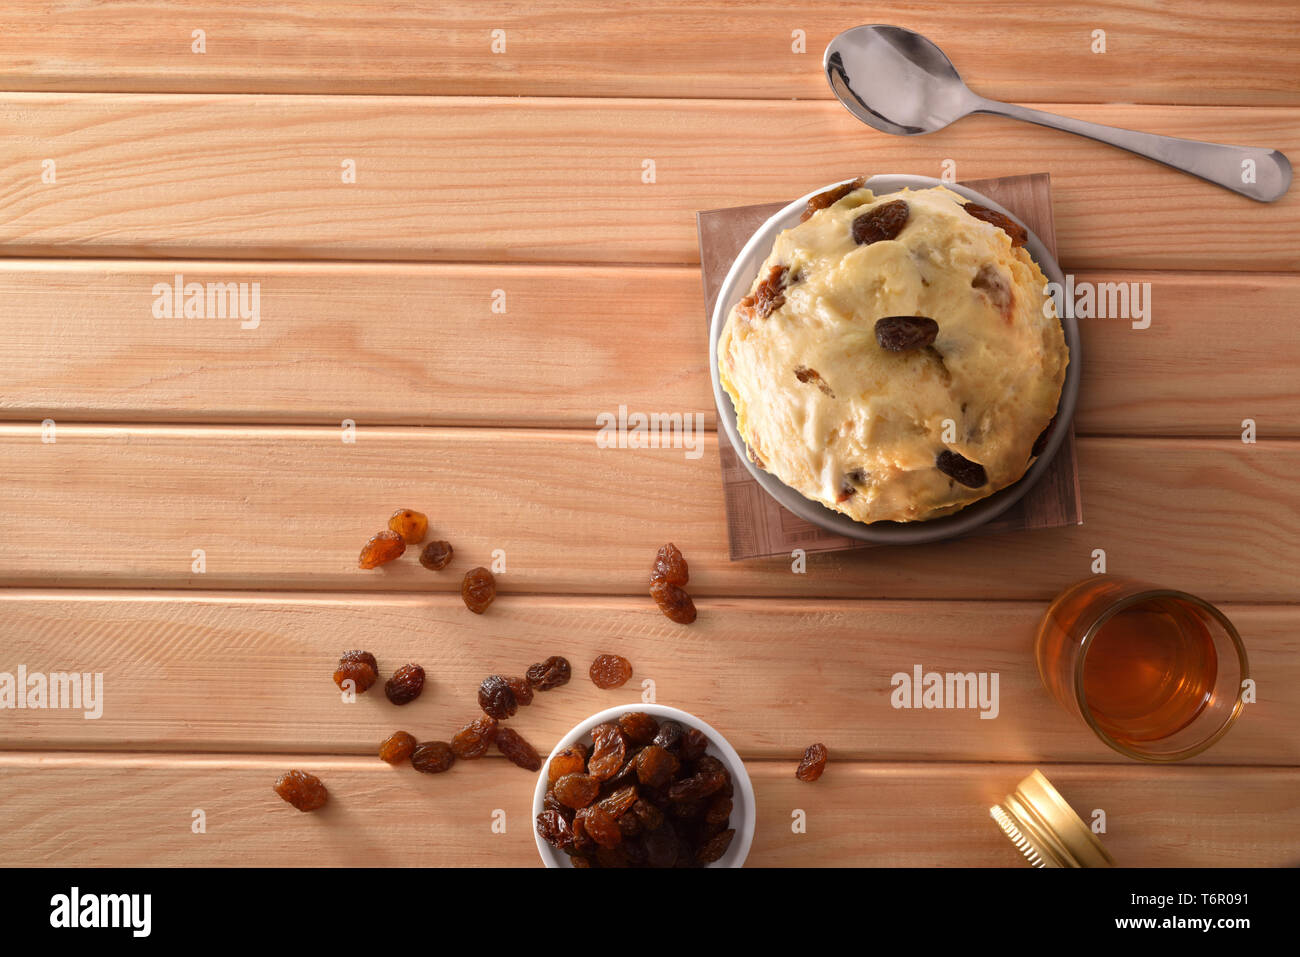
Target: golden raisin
433, 757
673, 602
576, 790
813, 763
670, 566
478, 589
473, 740
436, 555
610, 671
609, 748
383, 547
397, 747
410, 524
639, 727
359, 667
304, 791
570, 760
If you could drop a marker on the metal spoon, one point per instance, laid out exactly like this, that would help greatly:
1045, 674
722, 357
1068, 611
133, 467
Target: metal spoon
899, 82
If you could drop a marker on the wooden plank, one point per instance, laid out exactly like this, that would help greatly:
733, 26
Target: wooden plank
415, 344
821, 671
289, 507
1189, 53
562, 179
857, 814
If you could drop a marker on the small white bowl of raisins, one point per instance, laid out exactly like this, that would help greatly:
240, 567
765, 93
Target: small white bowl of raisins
643, 786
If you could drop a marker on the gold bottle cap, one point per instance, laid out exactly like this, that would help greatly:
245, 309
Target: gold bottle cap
1045, 829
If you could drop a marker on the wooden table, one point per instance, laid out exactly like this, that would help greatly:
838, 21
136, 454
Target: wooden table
519, 178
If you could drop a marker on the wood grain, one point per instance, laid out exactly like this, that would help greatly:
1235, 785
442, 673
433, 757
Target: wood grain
857, 814
290, 508
561, 179
251, 672
417, 344
1181, 52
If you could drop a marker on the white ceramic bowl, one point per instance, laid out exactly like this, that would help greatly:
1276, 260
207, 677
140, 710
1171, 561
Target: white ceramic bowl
737, 283
742, 811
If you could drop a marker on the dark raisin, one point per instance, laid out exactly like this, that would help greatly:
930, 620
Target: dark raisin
670, 566
382, 548
990, 281
639, 727
433, 757
523, 691
673, 602
551, 673
651, 817
608, 750
830, 197
410, 524
304, 791
630, 825
359, 667
555, 829
512, 744
436, 555
576, 790
478, 588
662, 847
496, 699
570, 760
1019, 235
804, 374
610, 671
715, 847
473, 740
655, 766
397, 747
694, 743
961, 469
880, 223
1040, 443
905, 333
767, 297
551, 803
813, 763
718, 810
405, 685
670, 735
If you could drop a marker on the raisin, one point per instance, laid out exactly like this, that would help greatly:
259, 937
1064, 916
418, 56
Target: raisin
767, 297
304, 791
656, 766
990, 281
630, 825
608, 751
619, 802
1040, 443
551, 803
670, 735
496, 699
804, 374
845, 493
961, 469
601, 827
639, 727
576, 790
715, 847
813, 763
881, 222
436, 555
670, 566
554, 829
478, 589
473, 740
718, 810
830, 197
580, 860
405, 685
523, 691
662, 847
650, 816
551, 673
694, 744
1019, 235
410, 524
610, 671
673, 602
359, 667
397, 747
701, 784
512, 744
433, 757
383, 547
906, 333
570, 760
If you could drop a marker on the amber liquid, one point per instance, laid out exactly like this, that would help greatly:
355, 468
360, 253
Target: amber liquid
1150, 671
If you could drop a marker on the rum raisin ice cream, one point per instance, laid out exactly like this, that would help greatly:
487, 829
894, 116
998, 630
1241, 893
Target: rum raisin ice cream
897, 357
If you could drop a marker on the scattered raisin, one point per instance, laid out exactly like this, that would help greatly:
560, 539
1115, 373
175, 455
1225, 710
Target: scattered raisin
813, 763
881, 222
478, 589
609, 748
551, 673
655, 766
410, 524
830, 197
496, 699
512, 744
383, 547
1019, 235
905, 333
961, 469
433, 757
397, 747
555, 830
522, 689
473, 740
715, 847
804, 374
570, 760
767, 297
576, 790
304, 791
358, 666
405, 685
639, 727
670, 566
610, 671
436, 555
673, 602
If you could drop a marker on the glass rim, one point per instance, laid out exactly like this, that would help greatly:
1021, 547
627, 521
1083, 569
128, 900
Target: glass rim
1144, 595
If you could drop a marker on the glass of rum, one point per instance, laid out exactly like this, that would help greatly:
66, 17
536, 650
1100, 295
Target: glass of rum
1157, 674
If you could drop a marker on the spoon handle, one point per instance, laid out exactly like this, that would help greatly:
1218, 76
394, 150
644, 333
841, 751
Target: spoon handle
1261, 174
